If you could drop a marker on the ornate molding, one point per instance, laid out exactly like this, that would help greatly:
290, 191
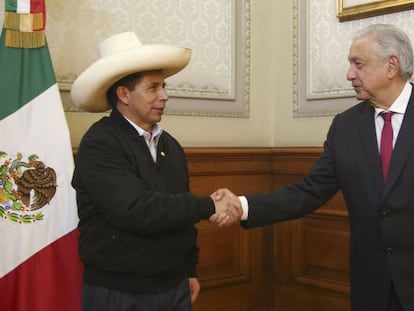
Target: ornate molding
217, 80
320, 51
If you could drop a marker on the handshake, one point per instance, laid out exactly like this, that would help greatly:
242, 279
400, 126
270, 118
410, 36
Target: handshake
228, 208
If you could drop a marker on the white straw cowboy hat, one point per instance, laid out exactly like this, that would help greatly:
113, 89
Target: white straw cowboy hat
122, 55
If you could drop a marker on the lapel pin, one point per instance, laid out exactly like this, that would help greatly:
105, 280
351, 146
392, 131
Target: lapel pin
162, 154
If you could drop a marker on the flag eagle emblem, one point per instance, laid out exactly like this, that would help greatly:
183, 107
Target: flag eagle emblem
26, 186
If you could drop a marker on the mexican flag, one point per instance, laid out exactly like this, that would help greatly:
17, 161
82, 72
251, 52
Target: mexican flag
39, 261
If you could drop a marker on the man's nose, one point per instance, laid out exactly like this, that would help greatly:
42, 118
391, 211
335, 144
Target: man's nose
350, 75
163, 94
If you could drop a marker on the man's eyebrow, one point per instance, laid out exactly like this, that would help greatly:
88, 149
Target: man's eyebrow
150, 84
354, 58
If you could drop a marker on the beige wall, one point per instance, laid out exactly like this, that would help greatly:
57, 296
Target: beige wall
271, 121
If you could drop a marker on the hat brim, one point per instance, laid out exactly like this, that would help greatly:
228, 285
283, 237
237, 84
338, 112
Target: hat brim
89, 89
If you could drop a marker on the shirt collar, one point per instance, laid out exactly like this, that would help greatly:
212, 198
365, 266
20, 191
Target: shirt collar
156, 130
401, 103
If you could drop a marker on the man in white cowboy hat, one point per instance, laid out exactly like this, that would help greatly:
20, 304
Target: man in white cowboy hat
137, 235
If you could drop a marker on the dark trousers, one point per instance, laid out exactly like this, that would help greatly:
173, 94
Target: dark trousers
95, 298
393, 302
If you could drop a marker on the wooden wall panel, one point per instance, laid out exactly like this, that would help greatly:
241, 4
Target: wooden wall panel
224, 258
311, 271
234, 265
307, 258
320, 258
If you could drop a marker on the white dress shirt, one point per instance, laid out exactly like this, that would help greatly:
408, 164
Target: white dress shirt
150, 138
398, 107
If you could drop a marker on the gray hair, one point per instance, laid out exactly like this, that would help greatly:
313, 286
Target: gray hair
389, 40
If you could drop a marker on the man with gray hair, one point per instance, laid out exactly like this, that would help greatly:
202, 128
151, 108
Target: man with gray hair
369, 155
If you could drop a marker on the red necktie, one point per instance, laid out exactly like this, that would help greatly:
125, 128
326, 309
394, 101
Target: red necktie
386, 143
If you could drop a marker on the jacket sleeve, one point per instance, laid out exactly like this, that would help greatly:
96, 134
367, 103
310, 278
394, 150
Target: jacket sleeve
300, 198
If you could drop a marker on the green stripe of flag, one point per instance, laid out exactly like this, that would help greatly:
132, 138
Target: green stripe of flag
11, 5
24, 74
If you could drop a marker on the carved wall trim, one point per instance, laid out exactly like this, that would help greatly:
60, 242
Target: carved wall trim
320, 52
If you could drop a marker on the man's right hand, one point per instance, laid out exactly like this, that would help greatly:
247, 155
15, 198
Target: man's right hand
228, 208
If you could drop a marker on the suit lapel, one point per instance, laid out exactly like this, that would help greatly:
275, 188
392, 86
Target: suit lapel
403, 146
369, 144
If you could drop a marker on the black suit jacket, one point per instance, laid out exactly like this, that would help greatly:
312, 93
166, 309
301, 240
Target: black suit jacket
381, 215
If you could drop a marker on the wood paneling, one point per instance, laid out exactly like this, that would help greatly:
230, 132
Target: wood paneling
304, 262
234, 265
311, 253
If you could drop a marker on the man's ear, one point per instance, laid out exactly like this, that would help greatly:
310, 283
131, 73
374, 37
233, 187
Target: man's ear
393, 66
123, 94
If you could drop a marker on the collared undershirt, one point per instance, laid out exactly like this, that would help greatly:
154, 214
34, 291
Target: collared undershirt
150, 138
398, 106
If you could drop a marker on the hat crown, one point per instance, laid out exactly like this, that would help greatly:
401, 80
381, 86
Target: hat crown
118, 43
121, 55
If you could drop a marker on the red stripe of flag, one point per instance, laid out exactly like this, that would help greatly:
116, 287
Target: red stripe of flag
42, 285
38, 6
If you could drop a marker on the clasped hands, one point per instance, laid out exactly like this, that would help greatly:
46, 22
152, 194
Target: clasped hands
228, 208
